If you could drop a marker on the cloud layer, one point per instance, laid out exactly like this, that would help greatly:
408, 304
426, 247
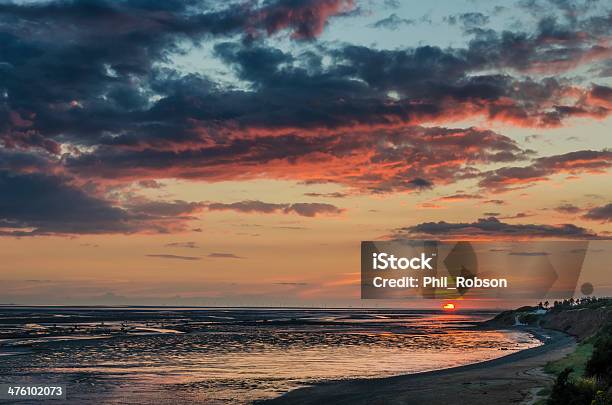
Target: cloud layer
493, 228
302, 209
93, 100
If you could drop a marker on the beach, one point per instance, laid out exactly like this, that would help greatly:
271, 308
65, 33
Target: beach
515, 378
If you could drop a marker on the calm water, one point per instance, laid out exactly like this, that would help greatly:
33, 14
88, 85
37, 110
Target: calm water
234, 356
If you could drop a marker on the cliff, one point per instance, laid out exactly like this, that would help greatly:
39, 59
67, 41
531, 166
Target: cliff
580, 322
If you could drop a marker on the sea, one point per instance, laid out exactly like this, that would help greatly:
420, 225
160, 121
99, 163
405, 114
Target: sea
137, 355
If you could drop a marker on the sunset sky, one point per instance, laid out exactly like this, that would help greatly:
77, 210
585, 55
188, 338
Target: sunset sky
237, 152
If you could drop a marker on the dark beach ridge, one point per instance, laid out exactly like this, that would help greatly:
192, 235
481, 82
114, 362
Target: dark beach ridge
510, 379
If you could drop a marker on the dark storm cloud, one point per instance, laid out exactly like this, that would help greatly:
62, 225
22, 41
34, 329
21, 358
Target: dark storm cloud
528, 254
459, 197
174, 257
555, 46
188, 245
314, 209
18, 161
432, 84
393, 4
569, 8
67, 75
568, 208
165, 208
89, 96
513, 177
602, 214
225, 256
303, 18
413, 158
327, 195
393, 22
602, 94
302, 209
468, 20
41, 204
584, 161
517, 215
90, 85
492, 227
150, 184
248, 207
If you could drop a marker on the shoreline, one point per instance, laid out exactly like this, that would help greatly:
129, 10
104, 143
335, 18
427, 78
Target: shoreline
508, 379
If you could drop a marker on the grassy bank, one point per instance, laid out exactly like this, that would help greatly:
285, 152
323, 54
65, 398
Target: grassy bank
584, 377
576, 361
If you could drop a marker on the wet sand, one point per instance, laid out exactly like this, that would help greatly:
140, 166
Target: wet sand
511, 379
232, 356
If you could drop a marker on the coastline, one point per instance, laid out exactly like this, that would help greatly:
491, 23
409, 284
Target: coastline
508, 379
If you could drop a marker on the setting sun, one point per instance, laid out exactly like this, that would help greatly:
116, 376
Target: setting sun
449, 306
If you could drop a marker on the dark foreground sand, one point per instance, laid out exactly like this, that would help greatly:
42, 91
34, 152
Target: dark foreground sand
511, 379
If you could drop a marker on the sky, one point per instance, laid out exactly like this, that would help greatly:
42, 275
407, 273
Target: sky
237, 152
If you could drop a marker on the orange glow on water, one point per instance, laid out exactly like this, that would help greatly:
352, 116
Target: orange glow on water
449, 306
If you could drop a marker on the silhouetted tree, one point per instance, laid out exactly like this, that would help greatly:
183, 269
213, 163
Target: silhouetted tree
600, 363
565, 392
